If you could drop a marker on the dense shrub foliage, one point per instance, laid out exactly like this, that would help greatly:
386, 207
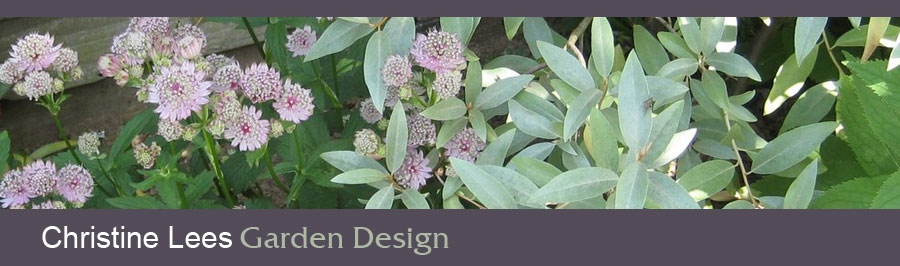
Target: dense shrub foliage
381, 113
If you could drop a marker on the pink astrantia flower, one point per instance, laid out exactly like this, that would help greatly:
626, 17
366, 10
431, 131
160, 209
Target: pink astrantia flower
439, 51
109, 65
421, 130
35, 85
34, 52
248, 132
301, 40
368, 111
39, 178
228, 78
397, 71
465, 145
261, 83
152, 26
295, 104
10, 73
186, 30
414, 171
66, 61
13, 189
74, 183
179, 90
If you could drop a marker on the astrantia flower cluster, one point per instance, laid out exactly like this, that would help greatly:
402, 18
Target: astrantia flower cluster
40, 181
301, 40
212, 89
89, 143
38, 67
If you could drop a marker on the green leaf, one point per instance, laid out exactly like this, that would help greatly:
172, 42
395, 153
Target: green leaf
377, 50
361, 20
501, 91
451, 185
401, 31
200, 186
136, 203
733, 65
536, 29
131, 129
479, 125
359, 176
397, 138
652, 55
579, 110
473, 81
800, 192
348, 161
811, 106
447, 109
275, 46
601, 141
495, 153
602, 46
707, 178
715, 89
711, 30
675, 45
790, 148
4, 150
858, 193
511, 24
888, 196
463, 27
691, 32
634, 116
486, 188
383, 199
530, 122
238, 174
566, 66
877, 27
518, 185
869, 123
739, 205
631, 190
678, 69
337, 37
678, 143
664, 193
413, 199
806, 35
537, 171
449, 129
857, 37
576, 185
788, 81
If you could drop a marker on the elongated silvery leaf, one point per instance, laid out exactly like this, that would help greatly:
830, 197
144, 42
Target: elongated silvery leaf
486, 188
634, 112
501, 91
566, 66
473, 81
715, 89
676, 45
602, 46
707, 178
690, 29
451, 185
383, 199
413, 199
402, 32
536, 29
733, 64
537, 171
806, 35
463, 27
651, 53
530, 122
800, 193
677, 146
601, 141
538, 151
579, 110
790, 148
446, 109
348, 161
397, 138
813, 105
517, 184
576, 185
337, 37
377, 50
631, 190
495, 152
449, 129
678, 69
788, 81
512, 24
711, 30
359, 176
664, 193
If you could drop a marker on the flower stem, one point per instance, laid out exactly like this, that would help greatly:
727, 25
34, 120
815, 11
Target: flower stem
271, 169
253, 36
111, 180
740, 163
328, 91
299, 148
217, 166
64, 137
831, 54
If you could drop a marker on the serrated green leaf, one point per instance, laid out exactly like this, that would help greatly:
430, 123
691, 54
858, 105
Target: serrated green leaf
858, 193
